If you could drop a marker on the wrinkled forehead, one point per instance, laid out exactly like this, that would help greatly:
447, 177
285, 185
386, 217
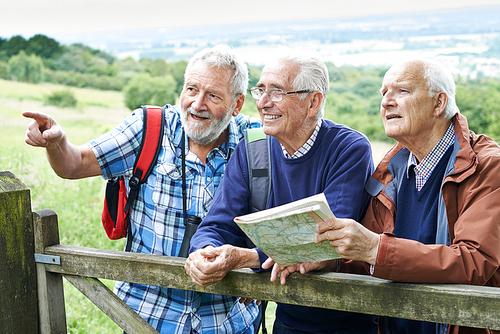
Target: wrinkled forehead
279, 74
412, 72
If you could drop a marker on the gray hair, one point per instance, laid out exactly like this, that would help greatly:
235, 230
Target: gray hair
313, 74
222, 56
440, 79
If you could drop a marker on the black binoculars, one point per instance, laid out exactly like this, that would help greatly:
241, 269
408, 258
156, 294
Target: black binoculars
191, 227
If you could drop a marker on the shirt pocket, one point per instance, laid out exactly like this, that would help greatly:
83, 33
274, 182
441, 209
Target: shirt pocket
167, 193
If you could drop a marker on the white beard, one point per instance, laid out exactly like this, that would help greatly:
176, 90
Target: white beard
200, 133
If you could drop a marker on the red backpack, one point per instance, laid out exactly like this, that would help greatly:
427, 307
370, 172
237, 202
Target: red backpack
115, 215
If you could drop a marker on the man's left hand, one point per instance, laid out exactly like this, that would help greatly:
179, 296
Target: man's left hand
303, 268
350, 239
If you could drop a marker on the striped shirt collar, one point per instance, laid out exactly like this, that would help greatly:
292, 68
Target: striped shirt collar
307, 146
423, 170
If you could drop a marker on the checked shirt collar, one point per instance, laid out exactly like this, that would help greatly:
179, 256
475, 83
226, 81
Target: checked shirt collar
307, 146
423, 170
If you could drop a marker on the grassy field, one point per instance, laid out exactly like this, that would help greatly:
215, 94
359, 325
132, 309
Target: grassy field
77, 203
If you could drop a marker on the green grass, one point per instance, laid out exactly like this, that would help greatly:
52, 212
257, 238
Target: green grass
78, 203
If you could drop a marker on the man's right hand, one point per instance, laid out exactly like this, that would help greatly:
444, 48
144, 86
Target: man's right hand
210, 265
67, 160
43, 130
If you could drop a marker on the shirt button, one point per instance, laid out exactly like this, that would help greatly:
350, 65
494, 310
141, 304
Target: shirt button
208, 179
195, 309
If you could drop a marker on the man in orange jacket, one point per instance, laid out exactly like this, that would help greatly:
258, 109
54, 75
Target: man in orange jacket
434, 213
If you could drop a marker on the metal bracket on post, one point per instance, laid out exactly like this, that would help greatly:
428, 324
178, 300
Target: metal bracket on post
47, 259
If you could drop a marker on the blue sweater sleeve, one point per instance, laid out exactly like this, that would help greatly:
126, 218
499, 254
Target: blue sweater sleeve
351, 166
230, 200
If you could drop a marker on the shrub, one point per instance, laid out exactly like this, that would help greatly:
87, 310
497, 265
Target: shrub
145, 89
77, 79
61, 98
26, 68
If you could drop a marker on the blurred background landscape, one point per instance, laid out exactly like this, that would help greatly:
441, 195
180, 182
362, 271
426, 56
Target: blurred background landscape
89, 64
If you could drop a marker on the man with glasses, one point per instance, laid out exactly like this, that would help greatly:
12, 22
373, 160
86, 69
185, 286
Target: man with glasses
309, 155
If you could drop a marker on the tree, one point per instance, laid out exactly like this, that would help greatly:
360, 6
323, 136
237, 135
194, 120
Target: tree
367, 87
26, 68
480, 103
4, 69
14, 45
147, 90
43, 46
71, 60
178, 73
101, 66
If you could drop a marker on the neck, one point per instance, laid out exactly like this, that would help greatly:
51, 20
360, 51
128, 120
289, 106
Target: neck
201, 151
428, 141
294, 141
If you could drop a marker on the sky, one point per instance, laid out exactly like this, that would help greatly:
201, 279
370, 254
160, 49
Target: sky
55, 18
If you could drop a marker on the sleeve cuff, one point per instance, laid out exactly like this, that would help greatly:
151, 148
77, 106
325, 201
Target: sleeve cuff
382, 249
262, 258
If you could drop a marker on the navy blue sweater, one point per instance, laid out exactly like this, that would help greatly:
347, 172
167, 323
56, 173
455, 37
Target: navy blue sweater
416, 219
338, 164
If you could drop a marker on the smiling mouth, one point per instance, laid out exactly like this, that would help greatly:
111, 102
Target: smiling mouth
198, 117
272, 116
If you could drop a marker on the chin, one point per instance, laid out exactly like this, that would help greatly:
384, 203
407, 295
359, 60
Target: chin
268, 130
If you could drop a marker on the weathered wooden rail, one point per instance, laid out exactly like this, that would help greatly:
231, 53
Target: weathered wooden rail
32, 296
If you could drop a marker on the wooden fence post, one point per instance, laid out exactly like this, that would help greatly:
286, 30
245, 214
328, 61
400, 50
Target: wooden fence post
18, 296
50, 285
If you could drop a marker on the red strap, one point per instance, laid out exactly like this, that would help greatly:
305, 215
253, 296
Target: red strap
151, 140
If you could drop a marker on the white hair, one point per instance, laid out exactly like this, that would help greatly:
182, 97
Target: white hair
438, 78
313, 74
222, 56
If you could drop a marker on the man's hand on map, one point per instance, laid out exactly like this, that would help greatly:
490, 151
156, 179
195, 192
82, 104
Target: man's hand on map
284, 272
350, 239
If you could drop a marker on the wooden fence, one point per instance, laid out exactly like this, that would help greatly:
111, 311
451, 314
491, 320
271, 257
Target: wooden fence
33, 264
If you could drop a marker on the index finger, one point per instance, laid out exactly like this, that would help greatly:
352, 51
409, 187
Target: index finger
329, 224
37, 115
268, 263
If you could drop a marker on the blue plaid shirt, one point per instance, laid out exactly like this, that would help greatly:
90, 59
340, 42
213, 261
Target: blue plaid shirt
157, 222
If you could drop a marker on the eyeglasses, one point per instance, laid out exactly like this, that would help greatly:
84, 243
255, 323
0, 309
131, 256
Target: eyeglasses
275, 94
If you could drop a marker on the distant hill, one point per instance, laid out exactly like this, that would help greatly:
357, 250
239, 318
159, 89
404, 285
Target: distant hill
177, 43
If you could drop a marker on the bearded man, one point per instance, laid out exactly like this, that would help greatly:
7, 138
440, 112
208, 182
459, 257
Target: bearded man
207, 120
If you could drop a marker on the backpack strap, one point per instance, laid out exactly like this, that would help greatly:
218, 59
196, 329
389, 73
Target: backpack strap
258, 147
152, 135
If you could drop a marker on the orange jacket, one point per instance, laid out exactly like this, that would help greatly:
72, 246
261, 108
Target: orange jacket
468, 218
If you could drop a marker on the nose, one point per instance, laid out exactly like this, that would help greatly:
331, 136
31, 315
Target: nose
387, 101
264, 102
199, 102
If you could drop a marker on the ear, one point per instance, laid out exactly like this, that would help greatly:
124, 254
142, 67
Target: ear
315, 103
239, 104
441, 102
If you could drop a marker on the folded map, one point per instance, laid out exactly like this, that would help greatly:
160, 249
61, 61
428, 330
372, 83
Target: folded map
286, 233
